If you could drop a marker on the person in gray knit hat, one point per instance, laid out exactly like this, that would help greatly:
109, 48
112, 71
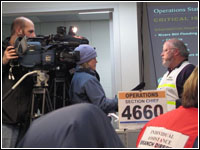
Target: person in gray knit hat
85, 87
86, 53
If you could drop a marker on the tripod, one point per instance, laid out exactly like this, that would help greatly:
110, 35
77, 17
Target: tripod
61, 83
40, 93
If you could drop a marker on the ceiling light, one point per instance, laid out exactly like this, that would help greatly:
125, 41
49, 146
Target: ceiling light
97, 12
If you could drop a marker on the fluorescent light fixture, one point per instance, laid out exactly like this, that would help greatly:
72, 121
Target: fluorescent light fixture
95, 12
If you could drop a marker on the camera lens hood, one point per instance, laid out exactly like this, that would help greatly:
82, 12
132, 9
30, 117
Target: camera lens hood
21, 45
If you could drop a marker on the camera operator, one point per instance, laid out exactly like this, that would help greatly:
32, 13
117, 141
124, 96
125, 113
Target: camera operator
85, 87
16, 107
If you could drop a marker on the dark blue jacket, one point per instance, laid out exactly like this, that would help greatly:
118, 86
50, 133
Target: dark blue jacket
85, 88
75, 126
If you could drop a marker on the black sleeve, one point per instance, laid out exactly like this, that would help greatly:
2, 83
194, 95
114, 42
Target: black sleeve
182, 77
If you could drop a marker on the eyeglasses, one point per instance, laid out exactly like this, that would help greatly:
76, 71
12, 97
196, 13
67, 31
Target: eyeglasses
165, 50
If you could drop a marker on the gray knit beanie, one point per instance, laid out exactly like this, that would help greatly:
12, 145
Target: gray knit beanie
87, 53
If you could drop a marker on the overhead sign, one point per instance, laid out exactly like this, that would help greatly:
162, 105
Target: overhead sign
138, 107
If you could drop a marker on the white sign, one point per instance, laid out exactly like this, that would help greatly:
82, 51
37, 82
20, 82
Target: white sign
159, 137
138, 107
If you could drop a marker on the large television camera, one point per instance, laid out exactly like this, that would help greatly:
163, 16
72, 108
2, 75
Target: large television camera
54, 59
52, 52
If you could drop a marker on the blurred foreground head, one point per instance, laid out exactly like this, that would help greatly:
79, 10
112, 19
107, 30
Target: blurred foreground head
190, 90
77, 126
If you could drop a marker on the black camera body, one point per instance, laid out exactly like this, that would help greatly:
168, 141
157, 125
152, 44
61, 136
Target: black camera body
54, 58
49, 52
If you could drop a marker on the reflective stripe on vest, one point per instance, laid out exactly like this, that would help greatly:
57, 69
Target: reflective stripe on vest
167, 85
171, 102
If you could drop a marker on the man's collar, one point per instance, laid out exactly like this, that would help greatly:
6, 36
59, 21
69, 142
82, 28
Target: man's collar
169, 69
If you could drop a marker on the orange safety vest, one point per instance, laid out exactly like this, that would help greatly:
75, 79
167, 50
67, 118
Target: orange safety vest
182, 120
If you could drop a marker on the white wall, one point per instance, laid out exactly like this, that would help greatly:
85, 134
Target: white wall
129, 45
123, 52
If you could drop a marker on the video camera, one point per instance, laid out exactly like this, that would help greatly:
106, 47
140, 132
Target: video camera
51, 57
49, 52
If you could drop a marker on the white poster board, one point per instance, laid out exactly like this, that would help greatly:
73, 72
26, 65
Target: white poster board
159, 137
138, 107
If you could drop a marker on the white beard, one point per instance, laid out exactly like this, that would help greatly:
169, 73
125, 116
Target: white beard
167, 62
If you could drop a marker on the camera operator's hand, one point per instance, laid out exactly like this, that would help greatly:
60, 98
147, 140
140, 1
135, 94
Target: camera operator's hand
9, 53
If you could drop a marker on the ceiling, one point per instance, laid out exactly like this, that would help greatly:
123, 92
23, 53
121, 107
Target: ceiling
53, 17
